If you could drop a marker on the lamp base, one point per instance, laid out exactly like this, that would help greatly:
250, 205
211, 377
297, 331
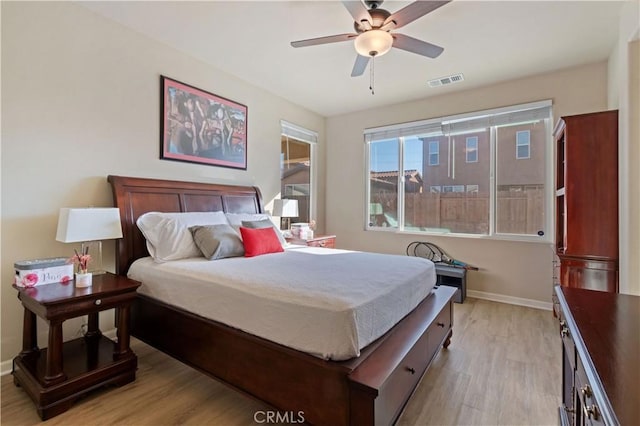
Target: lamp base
95, 251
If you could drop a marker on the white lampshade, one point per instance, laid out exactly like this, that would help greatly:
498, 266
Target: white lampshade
89, 224
285, 208
373, 43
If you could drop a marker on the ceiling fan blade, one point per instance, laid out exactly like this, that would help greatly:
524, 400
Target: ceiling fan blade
360, 65
414, 45
323, 40
358, 10
413, 11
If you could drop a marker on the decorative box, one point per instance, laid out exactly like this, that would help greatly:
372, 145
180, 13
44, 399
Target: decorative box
299, 230
30, 273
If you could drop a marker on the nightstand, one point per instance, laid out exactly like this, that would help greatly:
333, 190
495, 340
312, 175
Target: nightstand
327, 241
56, 376
453, 277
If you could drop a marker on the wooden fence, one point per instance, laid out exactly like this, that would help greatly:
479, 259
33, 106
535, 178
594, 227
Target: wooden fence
517, 212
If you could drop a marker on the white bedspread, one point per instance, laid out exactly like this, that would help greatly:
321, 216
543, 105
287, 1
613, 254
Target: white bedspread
327, 302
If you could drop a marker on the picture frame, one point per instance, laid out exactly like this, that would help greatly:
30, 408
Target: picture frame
200, 127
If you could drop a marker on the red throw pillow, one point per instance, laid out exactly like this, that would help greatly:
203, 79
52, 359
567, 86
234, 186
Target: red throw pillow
260, 241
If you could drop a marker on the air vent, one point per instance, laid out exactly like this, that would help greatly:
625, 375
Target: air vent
443, 81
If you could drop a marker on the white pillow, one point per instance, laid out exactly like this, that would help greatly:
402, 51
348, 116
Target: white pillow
236, 219
168, 236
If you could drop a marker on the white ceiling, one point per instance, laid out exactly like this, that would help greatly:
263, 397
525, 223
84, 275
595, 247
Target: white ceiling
487, 41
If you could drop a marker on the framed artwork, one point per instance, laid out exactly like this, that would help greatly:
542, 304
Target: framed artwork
199, 127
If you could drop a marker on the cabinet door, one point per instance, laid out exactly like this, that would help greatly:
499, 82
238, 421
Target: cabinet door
591, 185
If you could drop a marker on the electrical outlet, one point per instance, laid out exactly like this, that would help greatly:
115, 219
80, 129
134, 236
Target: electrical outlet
82, 330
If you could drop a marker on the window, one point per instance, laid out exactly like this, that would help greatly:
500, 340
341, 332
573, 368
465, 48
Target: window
479, 186
453, 188
296, 166
434, 153
472, 149
523, 144
383, 183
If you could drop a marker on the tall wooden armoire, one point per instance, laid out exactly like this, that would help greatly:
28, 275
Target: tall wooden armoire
587, 200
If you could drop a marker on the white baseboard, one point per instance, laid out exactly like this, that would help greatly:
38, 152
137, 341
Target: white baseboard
6, 366
530, 303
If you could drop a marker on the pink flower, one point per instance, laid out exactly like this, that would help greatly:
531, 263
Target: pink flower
30, 280
81, 260
66, 279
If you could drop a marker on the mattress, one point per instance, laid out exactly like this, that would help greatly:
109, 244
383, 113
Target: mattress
327, 302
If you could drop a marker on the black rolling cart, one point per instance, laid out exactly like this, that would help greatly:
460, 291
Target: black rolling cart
449, 271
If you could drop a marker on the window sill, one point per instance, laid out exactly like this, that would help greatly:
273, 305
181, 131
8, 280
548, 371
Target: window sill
512, 238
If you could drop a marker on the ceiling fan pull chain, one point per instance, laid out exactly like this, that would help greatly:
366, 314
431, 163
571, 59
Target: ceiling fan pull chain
372, 75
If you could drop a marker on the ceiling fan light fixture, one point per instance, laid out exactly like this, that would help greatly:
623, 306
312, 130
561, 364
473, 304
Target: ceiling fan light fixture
373, 43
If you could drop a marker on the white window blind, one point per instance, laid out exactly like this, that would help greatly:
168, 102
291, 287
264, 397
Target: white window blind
463, 123
299, 133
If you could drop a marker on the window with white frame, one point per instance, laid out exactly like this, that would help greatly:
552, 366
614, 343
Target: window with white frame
470, 190
523, 144
472, 149
297, 146
434, 153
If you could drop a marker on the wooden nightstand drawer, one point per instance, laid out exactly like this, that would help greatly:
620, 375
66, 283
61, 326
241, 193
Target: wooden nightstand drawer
326, 241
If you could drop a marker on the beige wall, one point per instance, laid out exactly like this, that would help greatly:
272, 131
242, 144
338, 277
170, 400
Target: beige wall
512, 269
623, 95
80, 101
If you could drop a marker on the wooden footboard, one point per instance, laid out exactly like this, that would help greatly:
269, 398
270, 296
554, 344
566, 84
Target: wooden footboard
370, 389
381, 385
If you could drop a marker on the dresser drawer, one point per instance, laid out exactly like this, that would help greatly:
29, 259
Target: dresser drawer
567, 340
402, 382
590, 411
439, 329
591, 274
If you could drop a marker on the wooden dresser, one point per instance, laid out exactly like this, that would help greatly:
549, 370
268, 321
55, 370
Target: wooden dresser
600, 357
587, 200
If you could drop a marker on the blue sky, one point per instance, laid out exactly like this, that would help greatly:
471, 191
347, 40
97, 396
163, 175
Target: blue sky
384, 155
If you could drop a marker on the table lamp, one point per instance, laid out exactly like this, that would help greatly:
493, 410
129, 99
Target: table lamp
286, 209
89, 226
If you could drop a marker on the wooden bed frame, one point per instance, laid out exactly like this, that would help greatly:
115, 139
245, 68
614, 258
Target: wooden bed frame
370, 389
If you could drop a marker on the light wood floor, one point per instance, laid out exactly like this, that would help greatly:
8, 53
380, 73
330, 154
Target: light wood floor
503, 368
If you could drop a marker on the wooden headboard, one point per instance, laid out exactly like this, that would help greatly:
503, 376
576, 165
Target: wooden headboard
136, 196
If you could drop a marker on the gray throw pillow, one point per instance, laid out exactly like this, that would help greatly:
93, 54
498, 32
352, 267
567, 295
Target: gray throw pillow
265, 223
217, 241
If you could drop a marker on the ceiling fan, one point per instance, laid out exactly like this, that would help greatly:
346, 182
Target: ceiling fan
373, 37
